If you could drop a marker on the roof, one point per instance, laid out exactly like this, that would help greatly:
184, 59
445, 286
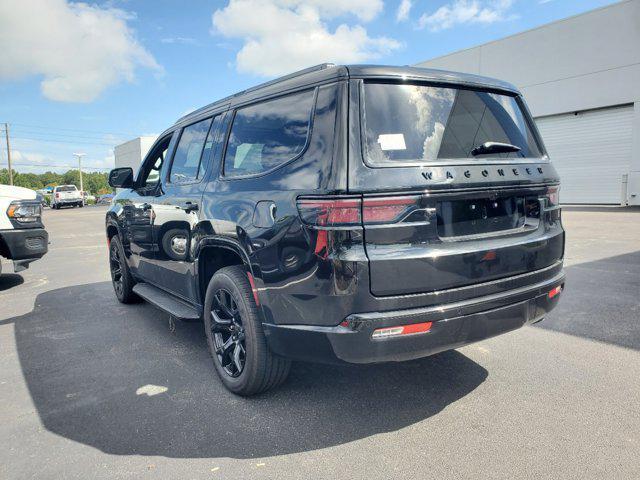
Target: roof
327, 72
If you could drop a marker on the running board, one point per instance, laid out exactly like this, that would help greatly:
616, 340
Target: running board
165, 301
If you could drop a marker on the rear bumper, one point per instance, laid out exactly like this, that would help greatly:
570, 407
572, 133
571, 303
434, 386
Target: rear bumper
25, 244
453, 325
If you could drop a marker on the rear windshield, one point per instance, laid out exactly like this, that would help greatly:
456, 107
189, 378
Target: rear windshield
417, 124
66, 188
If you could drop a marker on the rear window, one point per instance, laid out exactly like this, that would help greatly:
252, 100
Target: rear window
418, 124
66, 188
268, 134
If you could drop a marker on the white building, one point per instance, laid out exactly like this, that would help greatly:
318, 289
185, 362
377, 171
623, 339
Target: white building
131, 153
581, 79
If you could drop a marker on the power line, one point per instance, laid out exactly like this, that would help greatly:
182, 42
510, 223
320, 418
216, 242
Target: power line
68, 142
65, 135
51, 165
74, 130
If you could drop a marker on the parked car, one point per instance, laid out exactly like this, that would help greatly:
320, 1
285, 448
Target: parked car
105, 199
346, 214
87, 197
23, 238
64, 195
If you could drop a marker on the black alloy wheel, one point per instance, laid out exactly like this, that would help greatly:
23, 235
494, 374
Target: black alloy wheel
115, 265
228, 333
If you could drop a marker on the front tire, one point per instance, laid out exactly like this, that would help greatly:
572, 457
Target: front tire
235, 337
121, 278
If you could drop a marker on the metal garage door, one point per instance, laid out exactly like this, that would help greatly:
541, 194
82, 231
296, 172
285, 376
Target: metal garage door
591, 151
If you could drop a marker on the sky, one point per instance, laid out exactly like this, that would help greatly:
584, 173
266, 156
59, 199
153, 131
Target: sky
84, 77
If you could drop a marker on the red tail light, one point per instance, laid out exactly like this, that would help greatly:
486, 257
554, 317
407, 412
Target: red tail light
333, 212
341, 212
388, 209
57, 195
553, 196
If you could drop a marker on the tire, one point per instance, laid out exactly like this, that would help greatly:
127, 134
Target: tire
121, 278
81, 204
261, 370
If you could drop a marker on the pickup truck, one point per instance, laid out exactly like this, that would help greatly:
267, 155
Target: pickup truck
23, 238
66, 195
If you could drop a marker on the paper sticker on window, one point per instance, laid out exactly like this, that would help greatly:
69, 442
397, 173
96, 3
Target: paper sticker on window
392, 141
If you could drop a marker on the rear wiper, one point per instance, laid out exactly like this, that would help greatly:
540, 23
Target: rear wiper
494, 147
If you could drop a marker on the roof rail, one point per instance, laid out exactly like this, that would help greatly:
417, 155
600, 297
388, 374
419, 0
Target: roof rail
299, 73
315, 68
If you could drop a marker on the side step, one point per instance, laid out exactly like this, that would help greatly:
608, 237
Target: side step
167, 302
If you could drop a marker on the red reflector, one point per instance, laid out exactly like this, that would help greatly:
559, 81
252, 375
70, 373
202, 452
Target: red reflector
253, 288
402, 330
555, 291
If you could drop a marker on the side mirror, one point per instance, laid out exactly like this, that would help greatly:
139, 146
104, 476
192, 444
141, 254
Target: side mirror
121, 177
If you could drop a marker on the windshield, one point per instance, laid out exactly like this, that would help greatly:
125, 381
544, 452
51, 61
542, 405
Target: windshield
417, 124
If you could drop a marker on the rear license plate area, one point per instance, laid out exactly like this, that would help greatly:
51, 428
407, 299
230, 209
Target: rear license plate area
485, 216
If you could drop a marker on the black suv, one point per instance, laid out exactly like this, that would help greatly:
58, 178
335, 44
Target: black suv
343, 214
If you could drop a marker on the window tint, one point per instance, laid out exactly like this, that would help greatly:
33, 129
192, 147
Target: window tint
268, 134
66, 188
186, 161
415, 123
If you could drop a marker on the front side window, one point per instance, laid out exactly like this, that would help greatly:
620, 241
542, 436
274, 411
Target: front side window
418, 124
268, 134
187, 165
149, 174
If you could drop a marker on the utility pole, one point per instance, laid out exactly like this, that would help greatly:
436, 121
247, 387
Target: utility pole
79, 157
6, 134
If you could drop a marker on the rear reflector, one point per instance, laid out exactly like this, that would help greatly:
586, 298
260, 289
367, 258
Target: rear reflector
402, 330
555, 291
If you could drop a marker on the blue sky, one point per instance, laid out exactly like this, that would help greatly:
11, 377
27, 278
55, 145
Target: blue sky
87, 76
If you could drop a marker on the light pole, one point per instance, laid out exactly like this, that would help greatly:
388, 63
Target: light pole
79, 157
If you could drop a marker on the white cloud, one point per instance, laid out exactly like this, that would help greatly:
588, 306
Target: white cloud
180, 40
466, 11
281, 36
403, 10
78, 49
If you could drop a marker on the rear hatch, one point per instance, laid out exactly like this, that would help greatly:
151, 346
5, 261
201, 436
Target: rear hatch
467, 193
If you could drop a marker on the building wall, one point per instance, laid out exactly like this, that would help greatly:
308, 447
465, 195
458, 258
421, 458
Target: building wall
580, 63
131, 153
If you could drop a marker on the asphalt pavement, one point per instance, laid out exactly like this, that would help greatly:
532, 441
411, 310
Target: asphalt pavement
90, 388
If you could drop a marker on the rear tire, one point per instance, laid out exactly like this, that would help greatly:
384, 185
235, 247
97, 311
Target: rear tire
121, 278
235, 336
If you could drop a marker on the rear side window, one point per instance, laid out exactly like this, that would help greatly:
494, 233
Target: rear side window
268, 134
417, 123
187, 163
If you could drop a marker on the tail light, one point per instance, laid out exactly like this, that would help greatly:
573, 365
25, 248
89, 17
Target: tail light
331, 212
552, 196
57, 195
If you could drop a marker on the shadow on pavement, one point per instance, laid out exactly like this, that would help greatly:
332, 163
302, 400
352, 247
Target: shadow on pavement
94, 368
10, 280
601, 301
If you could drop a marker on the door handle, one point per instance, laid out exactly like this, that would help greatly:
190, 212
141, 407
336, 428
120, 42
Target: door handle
190, 207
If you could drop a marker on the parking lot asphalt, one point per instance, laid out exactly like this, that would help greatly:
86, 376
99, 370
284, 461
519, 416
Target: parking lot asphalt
90, 388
